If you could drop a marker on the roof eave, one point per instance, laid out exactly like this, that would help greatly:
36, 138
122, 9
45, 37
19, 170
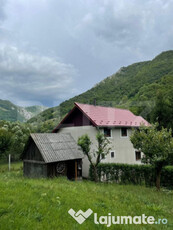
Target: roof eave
67, 115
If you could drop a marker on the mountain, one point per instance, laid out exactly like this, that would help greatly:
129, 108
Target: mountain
11, 112
134, 87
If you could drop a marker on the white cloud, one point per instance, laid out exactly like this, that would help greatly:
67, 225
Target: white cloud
32, 77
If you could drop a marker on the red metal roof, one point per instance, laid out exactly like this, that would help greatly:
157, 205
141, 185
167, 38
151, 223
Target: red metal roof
108, 116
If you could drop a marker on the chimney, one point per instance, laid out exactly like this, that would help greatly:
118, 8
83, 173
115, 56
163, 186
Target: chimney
94, 102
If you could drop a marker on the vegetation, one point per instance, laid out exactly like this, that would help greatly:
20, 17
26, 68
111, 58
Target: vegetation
157, 147
47, 120
5, 141
44, 203
163, 111
135, 87
146, 89
133, 174
13, 136
103, 149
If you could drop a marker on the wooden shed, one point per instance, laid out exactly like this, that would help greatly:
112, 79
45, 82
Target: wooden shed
52, 154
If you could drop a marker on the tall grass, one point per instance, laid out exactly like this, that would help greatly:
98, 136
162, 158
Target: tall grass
44, 203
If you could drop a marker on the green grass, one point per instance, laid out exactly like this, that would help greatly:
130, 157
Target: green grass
16, 166
44, 203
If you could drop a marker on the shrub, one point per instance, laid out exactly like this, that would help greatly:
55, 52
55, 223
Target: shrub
133, 174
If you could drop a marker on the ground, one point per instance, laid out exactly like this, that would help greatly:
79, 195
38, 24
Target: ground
44, 203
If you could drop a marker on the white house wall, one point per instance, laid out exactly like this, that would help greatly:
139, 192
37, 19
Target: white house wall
76, 132
122, 146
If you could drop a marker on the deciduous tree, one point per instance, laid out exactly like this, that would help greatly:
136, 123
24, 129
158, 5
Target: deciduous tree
5, 141
96, 156
157, 146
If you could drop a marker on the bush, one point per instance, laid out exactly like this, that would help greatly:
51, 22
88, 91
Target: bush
167, 177
133, 174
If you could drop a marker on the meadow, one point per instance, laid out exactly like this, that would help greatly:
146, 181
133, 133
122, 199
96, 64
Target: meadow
36, 204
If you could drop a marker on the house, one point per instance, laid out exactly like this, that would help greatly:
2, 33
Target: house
52, 154
115, 123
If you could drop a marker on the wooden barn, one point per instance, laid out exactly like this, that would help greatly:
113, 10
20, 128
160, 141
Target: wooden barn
51, 155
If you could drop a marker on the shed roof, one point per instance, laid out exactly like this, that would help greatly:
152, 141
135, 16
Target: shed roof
57, 147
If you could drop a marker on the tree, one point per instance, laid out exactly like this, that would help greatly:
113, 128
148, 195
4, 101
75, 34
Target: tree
102, 150
163, 111
5, 141
157, 146
13, 136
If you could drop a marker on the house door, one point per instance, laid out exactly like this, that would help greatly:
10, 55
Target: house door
71, 170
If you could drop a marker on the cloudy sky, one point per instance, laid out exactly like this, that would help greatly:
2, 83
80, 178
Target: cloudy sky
51, 50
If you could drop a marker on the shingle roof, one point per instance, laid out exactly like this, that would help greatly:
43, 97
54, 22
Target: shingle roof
57, 147
108, 116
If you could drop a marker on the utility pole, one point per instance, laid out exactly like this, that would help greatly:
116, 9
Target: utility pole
9, 162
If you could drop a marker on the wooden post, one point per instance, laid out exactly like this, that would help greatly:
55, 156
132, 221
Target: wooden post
75, 170
9, 162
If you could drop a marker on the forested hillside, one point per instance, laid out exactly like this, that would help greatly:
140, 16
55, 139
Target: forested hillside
145, 88
11, 112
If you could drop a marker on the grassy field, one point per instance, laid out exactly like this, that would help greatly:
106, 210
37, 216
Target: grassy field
44, 203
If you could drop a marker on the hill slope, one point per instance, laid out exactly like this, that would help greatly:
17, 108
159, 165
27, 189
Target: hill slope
134, 87
11, 112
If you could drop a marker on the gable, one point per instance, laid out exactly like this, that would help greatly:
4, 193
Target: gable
75, 118
31, 152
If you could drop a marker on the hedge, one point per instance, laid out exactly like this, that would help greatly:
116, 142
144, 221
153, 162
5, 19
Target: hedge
133, 174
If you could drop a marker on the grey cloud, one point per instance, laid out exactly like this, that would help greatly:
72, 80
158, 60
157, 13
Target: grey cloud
132, 22
32, 77
2, 13
95, 37
122, 32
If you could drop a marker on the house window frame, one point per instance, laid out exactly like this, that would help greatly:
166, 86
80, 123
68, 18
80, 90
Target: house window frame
112, 151
138, 151
110, 132
121, 132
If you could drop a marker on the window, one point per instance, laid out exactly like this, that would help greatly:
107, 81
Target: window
107, 132
103, 157
112, 154
124, 132
138, 155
